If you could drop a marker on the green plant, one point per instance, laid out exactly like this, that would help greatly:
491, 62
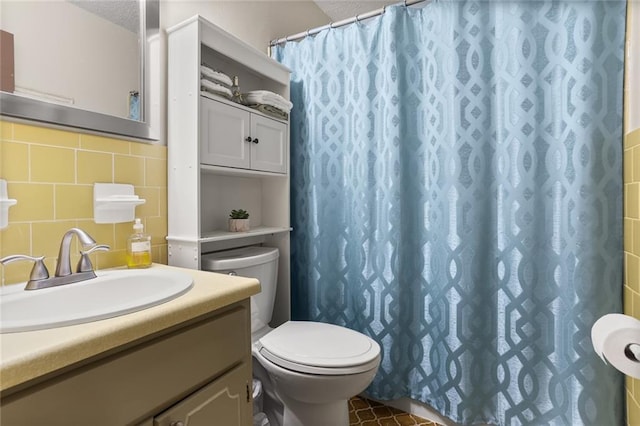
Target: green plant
239, 214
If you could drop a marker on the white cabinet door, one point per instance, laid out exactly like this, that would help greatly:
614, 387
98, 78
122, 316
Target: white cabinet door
269, 144
223, 402
224, 135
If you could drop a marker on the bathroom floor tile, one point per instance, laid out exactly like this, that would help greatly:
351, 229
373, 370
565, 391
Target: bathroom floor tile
364, 412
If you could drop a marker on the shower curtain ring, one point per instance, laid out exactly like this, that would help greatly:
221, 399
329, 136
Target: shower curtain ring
405, 3
357, 18
308, 33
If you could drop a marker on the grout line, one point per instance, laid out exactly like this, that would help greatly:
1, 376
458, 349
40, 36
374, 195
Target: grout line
29, 163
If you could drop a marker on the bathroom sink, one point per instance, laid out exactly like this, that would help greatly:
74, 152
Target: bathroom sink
112, 293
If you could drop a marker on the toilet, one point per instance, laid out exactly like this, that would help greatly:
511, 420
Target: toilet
309, 369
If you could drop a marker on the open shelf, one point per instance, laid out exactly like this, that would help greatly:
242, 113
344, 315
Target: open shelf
230, 171
225, 235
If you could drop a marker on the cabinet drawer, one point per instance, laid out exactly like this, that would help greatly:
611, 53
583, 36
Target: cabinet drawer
138, 382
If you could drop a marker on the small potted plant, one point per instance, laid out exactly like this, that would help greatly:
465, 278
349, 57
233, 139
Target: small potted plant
238, 221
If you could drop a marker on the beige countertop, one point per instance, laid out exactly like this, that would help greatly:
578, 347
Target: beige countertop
29, 355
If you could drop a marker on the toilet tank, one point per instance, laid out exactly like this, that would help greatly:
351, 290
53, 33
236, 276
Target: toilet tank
251, 262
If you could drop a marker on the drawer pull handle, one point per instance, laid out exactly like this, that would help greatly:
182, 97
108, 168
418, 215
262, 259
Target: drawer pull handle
178, 423
255, 140
247, 139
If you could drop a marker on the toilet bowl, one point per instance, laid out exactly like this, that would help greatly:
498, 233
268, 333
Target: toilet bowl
311, 368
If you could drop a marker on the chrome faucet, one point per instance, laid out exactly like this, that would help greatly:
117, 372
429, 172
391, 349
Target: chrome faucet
63, 267
39, 277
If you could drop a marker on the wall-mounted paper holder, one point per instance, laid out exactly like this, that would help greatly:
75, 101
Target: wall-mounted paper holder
114, 203
5, 203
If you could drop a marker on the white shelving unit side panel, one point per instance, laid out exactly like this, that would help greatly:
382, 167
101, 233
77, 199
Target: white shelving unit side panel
183, 131
184, 254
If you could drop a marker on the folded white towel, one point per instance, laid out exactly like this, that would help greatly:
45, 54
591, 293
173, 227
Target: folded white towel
215, 88
268, 98
215, 76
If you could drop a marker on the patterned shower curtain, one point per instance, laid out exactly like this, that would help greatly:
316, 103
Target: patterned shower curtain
457, 195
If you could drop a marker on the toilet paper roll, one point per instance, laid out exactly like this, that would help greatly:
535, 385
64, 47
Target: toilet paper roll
616, 339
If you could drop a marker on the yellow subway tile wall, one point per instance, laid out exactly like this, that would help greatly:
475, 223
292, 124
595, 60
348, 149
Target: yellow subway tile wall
632, 202
632, 255
51, 173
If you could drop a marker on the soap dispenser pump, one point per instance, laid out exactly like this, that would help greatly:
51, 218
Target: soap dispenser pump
138, 247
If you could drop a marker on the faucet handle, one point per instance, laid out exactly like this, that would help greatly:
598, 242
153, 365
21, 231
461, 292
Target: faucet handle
39, 270
85, 265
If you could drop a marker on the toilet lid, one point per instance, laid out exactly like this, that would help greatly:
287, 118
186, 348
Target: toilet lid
319, 348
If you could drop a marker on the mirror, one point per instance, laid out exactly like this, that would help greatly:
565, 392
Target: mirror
89, 64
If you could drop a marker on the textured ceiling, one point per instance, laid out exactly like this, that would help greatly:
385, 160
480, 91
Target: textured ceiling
121, 12
338, 10
125, 12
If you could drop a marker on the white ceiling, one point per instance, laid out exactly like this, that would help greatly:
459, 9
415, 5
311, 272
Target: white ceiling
121, 12
343, 9
125, 13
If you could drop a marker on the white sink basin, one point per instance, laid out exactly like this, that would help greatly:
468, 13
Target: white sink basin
112, 293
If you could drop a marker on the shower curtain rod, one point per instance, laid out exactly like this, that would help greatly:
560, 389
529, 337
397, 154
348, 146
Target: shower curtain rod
342, 23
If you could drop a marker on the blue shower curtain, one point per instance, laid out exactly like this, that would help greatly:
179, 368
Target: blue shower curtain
457, 195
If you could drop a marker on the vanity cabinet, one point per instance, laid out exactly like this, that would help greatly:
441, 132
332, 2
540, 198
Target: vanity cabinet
224, 156
223, 401
198, 371
231, 136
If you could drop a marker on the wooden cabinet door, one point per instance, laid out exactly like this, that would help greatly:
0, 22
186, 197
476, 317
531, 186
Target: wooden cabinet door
224, 133
223, 402
269, 144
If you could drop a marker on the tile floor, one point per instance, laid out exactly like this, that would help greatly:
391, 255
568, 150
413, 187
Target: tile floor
364, 412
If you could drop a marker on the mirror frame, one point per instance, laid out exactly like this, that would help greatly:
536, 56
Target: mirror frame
31, 109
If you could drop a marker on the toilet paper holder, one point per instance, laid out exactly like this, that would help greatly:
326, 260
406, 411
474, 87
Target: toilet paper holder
632, 351
616, 339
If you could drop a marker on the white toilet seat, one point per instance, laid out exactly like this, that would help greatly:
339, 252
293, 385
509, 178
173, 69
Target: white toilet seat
319, 348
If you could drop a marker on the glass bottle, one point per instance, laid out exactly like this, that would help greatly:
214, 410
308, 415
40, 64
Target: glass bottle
235, 90
138, 247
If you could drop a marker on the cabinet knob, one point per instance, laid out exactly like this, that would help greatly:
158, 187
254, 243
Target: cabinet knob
178, 423
247, 139
255, 140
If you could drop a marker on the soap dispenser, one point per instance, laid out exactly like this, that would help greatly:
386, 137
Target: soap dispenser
138, 247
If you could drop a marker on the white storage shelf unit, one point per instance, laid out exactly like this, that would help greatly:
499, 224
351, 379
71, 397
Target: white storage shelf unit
204, 183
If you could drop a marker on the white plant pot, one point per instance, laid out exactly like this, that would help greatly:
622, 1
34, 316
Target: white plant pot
239, 225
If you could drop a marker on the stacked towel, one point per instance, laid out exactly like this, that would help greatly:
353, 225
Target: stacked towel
216, 89
215, 76
270, 110
215, 82
264, 97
